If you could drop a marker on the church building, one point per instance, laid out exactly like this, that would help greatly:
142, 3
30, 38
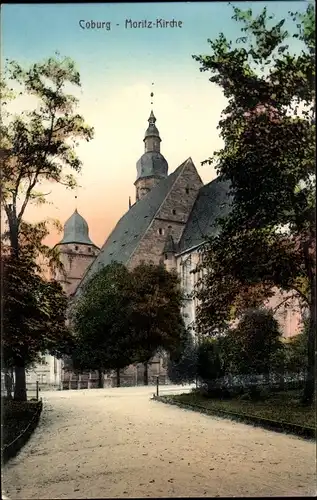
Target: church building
168, 223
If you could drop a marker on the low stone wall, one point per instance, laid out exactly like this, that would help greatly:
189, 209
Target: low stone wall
273, 425
11, 449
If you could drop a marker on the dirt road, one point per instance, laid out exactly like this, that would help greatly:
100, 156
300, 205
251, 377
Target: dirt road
118, 443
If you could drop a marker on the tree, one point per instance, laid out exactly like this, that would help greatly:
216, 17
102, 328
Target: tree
156, 312
296, 352
258, 339
182, 363
34, 314
268, 158
210, 364
101, 322
36, 146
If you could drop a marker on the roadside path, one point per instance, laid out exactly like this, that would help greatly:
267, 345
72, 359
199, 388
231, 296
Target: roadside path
117, 443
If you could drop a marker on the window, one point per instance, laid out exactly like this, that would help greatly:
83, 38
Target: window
161, 231
89, 249
174, 212
187, 190
76, 247
165, 256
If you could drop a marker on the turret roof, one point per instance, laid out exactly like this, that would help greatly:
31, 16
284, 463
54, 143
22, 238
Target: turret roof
76, 230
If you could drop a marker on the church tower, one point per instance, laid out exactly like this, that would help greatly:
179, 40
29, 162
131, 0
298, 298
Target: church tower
152, 166
77, 252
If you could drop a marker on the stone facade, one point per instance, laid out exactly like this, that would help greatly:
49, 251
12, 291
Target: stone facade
287, 309
75, 257
143, 186
171, 218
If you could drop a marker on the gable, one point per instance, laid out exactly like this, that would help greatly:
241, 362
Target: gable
171, 216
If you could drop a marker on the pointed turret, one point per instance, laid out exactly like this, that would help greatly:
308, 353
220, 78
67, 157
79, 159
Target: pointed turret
169, 247
169, 252
152, 136
76, 230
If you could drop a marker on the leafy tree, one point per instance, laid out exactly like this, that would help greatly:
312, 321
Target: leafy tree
296, 352
101, 323
156, 312
258, 338
36, 146
182, 363
268, 128
34, 314
210, 364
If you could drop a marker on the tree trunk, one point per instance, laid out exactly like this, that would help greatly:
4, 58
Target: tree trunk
146, 373
8, 383
118, 377
309, 390
100, 379
20, 384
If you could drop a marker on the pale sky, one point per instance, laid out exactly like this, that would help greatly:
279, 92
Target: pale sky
117, 69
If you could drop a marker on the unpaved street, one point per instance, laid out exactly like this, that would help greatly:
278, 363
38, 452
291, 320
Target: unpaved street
118, 443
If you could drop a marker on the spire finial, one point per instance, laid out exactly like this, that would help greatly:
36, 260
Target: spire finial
76, 196
152, 95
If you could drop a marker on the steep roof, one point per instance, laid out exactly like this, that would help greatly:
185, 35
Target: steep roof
213, 201
76, 230
127, 234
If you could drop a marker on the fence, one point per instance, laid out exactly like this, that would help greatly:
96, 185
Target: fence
125, 381
33, 390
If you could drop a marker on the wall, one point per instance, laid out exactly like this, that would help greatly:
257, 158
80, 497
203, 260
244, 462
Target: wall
49, 372
144, 185
75, 258
289, 315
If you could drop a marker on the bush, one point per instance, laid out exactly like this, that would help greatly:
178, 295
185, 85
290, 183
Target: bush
182, 365
255, 393
210, 364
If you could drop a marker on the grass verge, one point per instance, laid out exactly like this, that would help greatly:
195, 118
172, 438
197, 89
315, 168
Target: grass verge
18, 422
279, 411
15, 418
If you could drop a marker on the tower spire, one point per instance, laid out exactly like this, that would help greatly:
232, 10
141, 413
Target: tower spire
152, 166
152, 136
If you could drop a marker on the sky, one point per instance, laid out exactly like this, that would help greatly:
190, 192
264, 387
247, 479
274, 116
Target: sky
117, 68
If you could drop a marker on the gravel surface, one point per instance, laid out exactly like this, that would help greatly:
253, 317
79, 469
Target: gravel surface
117, 443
